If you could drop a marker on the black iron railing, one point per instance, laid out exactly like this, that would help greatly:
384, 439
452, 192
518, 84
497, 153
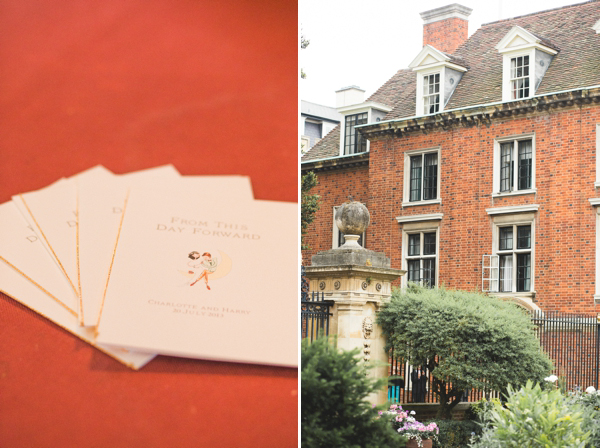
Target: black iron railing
314, 311
572, 341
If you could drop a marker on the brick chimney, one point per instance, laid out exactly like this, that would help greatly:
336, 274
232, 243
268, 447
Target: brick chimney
447, 27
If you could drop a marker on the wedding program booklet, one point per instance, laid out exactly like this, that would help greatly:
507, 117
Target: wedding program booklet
30, 276
200, 277
153, 262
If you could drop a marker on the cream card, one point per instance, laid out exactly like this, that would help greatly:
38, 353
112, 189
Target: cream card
29, 275
100, 210
52, 212
197, 278
100, 201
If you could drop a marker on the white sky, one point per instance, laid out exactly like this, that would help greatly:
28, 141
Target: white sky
365, 42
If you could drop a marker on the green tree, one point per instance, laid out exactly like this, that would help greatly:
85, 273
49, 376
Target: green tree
310, 203
466, 340
304, 42
335, 412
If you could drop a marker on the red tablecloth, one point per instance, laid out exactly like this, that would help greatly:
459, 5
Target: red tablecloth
208, 86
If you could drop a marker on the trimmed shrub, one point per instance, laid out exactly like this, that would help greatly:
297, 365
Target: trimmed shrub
482, 342
334, 411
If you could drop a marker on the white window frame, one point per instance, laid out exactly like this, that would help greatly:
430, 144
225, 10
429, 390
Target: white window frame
335, 240
514, 220
362, 110
597, 183
506, 75
406, 187
497, 165
595, 202
420, 227
420, 100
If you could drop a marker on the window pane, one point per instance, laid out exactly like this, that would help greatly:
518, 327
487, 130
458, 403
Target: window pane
506, 262
429, 272
429, 244
430, 177
506, 166
506, 238
353, 141
415, 178
524, 237
525, 165
414, 244
523, 272
414, 271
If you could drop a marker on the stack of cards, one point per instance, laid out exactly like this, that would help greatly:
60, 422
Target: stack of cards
153, 262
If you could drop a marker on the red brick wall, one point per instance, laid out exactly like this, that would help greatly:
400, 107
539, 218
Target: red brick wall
334, 187
565, 224
446, 35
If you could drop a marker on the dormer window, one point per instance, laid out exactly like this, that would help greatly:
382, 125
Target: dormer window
353, 141
519, 77
438, 75
431, 93
526, 57
356, 112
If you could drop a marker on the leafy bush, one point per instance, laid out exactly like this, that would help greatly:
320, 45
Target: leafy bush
534, 417
455, 434
590, 402
482, 342
335, 412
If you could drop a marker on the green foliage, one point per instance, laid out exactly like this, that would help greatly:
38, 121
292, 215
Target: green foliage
309, 203
482, 342
334, 411
455, 434
304, 42
590, 402
534, 417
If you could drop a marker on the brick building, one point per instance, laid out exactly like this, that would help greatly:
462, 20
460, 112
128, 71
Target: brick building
478, 161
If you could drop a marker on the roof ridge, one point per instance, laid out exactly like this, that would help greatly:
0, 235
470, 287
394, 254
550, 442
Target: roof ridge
538, 13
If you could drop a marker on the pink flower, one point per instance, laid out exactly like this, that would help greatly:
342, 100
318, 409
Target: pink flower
394, 406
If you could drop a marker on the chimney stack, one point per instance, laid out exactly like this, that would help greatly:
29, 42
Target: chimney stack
348, 96
446, 28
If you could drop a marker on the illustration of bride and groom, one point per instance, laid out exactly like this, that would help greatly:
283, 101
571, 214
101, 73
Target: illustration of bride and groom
204, 266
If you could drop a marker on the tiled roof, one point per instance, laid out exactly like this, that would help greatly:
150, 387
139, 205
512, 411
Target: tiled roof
328, 146
567, 29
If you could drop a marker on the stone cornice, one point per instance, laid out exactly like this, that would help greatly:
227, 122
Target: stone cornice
336, 163
389, 274
478, 115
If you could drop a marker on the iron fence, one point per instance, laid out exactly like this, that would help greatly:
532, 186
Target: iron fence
572, 341
314, 311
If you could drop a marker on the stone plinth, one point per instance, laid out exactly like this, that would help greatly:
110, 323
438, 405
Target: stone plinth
358, 281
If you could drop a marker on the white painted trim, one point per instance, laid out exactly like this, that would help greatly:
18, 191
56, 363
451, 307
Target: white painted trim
506, 86
518, 219
514, 193
412, 204
415, 218
433, 227
363, 107
596, 27
419, 92
597, 260
406, 186
532, 40
597, 184
595, 202
496, 166
512, 209
446, 12
428, 50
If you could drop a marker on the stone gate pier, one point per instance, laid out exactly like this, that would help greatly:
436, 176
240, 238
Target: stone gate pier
358, 280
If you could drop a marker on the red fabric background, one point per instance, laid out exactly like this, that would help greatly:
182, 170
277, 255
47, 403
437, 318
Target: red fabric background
208, 86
